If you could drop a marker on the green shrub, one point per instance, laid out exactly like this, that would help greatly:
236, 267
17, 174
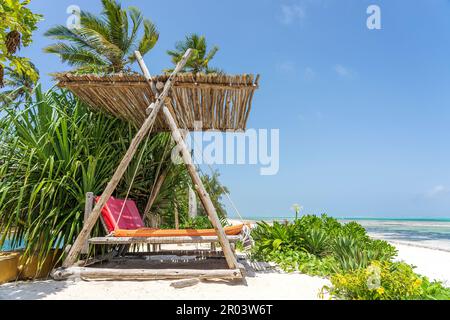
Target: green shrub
316, 242
322, 246
349, 254
345, 246
274, 238
384, 281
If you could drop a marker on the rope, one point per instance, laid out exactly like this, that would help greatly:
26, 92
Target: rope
158, 171
133, 178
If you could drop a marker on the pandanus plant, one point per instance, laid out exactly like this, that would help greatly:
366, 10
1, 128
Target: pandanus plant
53, 150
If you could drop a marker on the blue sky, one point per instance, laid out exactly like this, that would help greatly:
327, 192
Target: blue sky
364, 115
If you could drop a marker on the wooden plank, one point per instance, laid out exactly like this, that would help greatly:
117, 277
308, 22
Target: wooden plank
201, 191
142, 133
87, 211
144, 274
160, 240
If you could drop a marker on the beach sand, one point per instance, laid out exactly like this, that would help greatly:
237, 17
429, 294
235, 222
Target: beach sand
271, 285
433, 263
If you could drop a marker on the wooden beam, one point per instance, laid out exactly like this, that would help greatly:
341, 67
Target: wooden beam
144, 274
201, 191
89, 204
176, 217
142, 133
192, 203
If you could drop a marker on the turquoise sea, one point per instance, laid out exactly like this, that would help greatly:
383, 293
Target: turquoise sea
428, 233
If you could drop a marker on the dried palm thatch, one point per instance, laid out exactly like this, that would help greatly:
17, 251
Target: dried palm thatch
219, 102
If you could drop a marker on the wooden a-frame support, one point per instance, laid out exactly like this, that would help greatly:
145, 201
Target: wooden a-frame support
83, 236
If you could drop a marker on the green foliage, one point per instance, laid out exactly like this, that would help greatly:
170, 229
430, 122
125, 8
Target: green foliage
359, 267
200, 58
216, 191
274, 238
16, 18
199, 222
53, 151
19, 84
316, 242
385, 281
105, 43
318, 245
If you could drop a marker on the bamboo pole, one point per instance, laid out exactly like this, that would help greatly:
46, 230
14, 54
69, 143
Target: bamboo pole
142, 133
87, 212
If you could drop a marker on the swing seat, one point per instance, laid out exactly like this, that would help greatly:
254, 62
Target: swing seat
127, 223
151, 232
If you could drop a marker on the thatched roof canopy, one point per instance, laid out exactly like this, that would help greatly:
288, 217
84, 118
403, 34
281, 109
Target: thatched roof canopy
220, 102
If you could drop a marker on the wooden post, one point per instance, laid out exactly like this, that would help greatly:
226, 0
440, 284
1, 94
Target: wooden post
192, 203
200, 188
177, 221
142, 133
87, 212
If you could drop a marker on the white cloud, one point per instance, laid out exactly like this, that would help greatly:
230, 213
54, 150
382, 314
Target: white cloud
286, 67
291, 13
342, 71
437, 191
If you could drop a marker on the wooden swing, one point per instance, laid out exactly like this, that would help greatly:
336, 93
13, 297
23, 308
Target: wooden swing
219, 102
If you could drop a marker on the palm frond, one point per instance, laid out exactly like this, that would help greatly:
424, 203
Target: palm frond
75, 56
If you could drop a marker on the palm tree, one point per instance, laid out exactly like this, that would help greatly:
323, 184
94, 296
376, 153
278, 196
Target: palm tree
104, 43
199, 60
20, 84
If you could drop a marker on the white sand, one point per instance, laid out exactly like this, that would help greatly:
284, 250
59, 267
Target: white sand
261, 286
269, 284
435, 264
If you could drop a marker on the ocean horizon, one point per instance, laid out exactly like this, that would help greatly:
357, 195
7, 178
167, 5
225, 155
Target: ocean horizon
432, 233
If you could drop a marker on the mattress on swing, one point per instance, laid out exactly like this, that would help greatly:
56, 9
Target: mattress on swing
152, 232
122, 219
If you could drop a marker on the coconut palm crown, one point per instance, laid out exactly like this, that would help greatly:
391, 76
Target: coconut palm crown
104, 43
199, 60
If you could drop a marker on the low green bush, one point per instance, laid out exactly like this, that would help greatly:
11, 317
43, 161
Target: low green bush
384, 281
359, 267
311, 239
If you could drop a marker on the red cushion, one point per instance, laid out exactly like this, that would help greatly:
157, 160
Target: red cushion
130, 219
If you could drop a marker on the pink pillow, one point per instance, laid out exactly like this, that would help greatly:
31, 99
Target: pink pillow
130, 219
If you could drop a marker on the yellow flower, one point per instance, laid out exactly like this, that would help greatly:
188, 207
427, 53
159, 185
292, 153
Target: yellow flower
380, 290
418, 282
